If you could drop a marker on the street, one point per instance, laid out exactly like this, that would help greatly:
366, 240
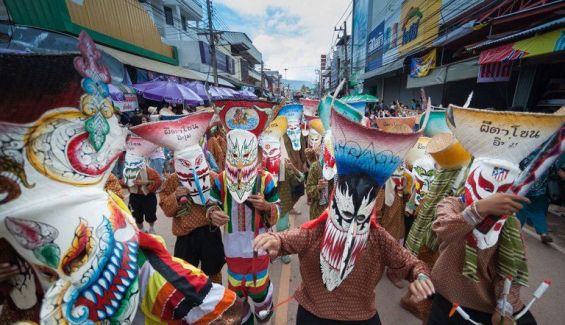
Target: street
544, 263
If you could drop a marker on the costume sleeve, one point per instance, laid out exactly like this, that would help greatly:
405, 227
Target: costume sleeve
153, 176
168, 198
113, 184
312, 183
401, 264
450, 225
271, 194
379, 204
293, 241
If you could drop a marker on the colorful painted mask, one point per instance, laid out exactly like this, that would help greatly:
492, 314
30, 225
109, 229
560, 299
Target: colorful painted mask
499, 141
183, 136
365, 159
293, 114
137, 151
423, 171
270, 143
59, 218
328, 158
241, 164
252, 116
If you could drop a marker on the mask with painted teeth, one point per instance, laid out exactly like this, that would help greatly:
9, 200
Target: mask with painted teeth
193, 171
241, 164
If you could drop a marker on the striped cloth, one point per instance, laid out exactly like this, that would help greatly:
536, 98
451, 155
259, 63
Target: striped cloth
511, 257
421, 232
174, 292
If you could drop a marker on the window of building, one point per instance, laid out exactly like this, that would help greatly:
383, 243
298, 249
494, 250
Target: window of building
183, 22
169, 16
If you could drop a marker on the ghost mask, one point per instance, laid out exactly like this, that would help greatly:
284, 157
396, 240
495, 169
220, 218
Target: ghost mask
80, 240
314, 140
293, 114
327, 158
137, 152
183, 136
241, 164
360, 177
271, 156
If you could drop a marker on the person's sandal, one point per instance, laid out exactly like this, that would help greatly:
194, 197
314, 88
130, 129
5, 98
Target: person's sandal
546, 239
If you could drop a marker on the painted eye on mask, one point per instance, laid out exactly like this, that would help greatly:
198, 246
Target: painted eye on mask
246, 156
485, 184
234, 155
199, 160
186, 163
361, 218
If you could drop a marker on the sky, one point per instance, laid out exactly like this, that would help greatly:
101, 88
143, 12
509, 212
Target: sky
289, 33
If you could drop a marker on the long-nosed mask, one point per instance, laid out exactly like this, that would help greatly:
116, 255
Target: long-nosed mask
194, 173
241, 164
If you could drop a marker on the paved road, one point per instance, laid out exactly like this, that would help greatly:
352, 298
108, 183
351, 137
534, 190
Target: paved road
544, 263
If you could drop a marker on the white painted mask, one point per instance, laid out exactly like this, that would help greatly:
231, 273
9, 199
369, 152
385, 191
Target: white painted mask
241, 164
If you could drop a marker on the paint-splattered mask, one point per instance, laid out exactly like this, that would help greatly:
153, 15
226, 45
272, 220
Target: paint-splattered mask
423, 171
241, 164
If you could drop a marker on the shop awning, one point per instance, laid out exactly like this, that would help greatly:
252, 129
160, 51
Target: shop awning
398, 64
210, 79
468, 69
552, 25
152, 65
455, 34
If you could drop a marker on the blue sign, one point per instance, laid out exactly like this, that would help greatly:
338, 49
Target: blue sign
375, 45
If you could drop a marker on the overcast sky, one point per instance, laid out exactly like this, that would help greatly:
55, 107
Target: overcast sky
290, 33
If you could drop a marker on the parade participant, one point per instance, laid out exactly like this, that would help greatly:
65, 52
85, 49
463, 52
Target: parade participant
343, 253
450, 160
275, 161
88, 262
217, 144
480, 243
157, 161
315, 135
185, 193
247, 202
142, 182
391, 203
295, 144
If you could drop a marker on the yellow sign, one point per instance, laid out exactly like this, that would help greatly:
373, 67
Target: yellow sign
419, 24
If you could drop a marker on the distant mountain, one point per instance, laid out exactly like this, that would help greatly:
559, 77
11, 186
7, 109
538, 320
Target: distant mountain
297, 84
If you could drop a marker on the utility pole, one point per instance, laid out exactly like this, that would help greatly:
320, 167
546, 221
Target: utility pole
345, 68
212, 42
262, 79
285, 76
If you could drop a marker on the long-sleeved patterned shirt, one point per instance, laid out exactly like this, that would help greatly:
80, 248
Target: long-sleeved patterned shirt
154, 182
240, 229
313, 193
354, 299
451, 229
182, 224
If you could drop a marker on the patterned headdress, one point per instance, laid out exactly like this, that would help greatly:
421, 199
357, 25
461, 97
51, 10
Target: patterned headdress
183, 136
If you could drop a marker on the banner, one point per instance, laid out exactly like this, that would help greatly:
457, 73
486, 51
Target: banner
375, 43
495, 72
419, 21
128, 104
549, 42
359, 33
420, 67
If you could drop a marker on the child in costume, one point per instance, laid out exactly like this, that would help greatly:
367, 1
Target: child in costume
247, 202
185, 193
87, 260
343, 253
480, 243
142, 182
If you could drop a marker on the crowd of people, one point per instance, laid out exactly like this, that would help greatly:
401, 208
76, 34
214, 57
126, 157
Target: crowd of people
436, 213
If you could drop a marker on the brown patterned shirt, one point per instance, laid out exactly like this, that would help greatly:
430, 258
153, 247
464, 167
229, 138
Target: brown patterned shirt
451, 229
184, 224
354, 299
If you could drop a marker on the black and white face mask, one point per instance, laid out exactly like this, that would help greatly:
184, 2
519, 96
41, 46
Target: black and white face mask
347, 227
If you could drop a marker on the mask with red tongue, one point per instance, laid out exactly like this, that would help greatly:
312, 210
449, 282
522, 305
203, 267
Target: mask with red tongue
241, 164
365, 158
183, 136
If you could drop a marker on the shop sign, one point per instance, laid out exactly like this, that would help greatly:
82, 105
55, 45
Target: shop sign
495, 72
128, 104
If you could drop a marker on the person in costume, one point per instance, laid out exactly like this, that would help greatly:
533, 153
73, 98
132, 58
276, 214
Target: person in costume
247, 203
217, 144
185, 193
451, 160
87, 262
391, 203
343, 253
275, 160
480, 242
142, 182
320, 182
416, 153
295, 144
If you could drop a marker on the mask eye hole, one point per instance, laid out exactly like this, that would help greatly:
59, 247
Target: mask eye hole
360, 218
348, 215
234, 155
246, 155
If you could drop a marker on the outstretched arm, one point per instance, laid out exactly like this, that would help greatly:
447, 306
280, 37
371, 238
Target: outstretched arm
288, 242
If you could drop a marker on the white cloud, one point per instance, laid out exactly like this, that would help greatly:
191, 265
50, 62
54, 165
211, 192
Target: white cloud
289, 33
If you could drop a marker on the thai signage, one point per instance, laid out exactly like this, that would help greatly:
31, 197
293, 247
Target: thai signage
419, 24
375, 44
128, 104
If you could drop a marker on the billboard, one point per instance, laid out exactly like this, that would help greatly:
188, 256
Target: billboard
419, 24
360, 22
391, 32
375, 45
